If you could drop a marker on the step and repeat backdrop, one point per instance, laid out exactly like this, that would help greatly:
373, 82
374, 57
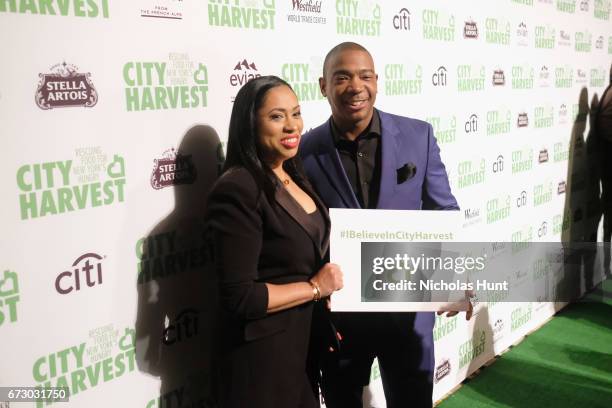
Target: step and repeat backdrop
114, 117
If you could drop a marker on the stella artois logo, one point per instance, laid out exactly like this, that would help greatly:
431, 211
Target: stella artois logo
172, 169
65, 87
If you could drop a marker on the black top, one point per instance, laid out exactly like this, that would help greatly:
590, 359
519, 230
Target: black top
361, 161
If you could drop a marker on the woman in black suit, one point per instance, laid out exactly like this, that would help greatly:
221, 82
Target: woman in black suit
270, 233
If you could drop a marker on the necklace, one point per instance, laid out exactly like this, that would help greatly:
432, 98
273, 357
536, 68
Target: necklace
286, 181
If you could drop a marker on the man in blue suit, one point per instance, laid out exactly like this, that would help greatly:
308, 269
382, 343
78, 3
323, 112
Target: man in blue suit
365, 158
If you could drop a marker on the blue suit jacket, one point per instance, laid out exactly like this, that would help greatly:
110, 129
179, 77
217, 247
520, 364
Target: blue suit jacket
405, 141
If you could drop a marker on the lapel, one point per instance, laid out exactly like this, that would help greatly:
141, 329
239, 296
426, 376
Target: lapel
329, 161
295, 211
388, 172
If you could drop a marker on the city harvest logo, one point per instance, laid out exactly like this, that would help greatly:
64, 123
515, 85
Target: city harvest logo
564, 77
401, 21
304, 79
86, 271
158, 254
242, 14
497, 31
470, 78
565, 39
444, 327
173, 84
306, 11
442, 370
88, 181
445, 128
358, 17
472, 348
470, 30
542, 193
598, 77
499, 78
169, 9
471, 173
499, 122
543, 117
582, 41
602, 8
438, 25
65, 87
520, 317
522, 120
182, 328
402, 80
560, 152
522, 35
561, 223
566, 6
172, 169
105, 356
545, 37
440, 77
522, 160
544, 77
76, 8
498, 209
524, 2
9, 297
522, 77
543, 156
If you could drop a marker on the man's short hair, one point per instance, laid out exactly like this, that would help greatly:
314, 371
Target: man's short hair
341, 48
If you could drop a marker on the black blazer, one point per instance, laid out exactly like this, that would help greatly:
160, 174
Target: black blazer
262, 356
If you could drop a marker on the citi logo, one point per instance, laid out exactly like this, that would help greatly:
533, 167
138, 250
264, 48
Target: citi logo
543, 156
183, 327
522, 120
86, 269
470, 30
246, 72
561, 188
401, 21
471, 125
564, 35
439, 77
521, 200
498, 164
543, 230
499, 79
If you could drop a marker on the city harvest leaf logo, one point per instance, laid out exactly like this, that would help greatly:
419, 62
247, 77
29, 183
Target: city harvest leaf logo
172, 169
9, 296
65, 87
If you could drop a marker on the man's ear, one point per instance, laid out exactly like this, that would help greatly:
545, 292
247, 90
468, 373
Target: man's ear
322, 86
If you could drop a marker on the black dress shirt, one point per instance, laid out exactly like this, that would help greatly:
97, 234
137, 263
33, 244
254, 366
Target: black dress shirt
361, 161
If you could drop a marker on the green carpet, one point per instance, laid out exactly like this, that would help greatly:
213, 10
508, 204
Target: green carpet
566, 363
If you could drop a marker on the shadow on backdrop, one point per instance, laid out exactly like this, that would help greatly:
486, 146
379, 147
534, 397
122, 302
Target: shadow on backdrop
177, 295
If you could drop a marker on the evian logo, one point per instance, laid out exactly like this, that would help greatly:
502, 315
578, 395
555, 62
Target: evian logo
522, 120
543, 156
561, 188
172, 169
443, 370
470, 29
522, 34
86, 270
499, 79
563, 114
498, 328
246, 72
599, 43
65, 87
584, 5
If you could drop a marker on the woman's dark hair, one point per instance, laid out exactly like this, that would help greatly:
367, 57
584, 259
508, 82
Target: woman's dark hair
242, 142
